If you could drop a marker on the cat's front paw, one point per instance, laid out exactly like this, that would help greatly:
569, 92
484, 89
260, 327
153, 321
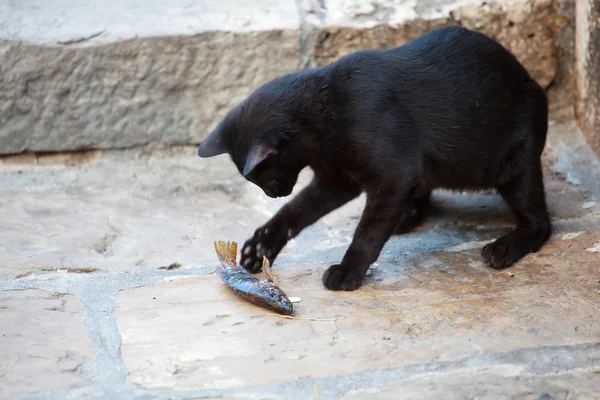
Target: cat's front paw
342, 277
502, 253
266, 241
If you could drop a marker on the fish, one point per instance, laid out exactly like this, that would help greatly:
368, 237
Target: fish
262, 292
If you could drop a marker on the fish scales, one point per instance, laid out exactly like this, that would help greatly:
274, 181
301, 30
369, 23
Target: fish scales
262, 292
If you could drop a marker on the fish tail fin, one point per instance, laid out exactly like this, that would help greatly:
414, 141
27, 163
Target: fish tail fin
227, 251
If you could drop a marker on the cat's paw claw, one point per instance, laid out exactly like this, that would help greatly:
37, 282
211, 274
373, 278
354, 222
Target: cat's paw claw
264, 243
251, 258
341, 277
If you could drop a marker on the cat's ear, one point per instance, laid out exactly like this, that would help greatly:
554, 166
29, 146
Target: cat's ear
257, 154
213, 145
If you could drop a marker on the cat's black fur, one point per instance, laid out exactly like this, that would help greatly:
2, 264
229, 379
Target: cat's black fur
451, 109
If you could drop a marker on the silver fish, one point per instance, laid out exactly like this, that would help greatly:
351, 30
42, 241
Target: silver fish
262, 292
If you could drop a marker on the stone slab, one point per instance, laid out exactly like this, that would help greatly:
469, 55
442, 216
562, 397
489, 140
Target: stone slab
504, 382
434, 307
126, 210
587, 46
428, 306
128, 74
562, 93
44, 343
150, 208
62, 22
167, 89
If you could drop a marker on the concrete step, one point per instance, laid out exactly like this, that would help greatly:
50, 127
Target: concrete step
125, 74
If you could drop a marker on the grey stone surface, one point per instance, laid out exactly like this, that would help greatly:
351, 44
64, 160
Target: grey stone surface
81, 24
588, 69
161, 72
499, 382
85, 236
134, 207
432, 307
134, 92
44, 342
562, 91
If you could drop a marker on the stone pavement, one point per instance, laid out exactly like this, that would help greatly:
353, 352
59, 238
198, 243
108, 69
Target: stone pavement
108, 291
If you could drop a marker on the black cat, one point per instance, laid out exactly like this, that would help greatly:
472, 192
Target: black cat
451, 109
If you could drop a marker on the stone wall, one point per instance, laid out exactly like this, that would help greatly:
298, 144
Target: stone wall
526, 28
133, 92
561, 91
588, 70
77, 78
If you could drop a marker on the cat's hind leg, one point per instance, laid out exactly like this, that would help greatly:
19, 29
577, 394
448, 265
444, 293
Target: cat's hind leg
415, 213
526, 199
522, 186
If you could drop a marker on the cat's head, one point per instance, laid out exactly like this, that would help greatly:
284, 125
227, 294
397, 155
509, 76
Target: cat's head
264, 140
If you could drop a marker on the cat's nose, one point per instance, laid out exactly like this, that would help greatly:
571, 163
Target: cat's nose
272, 189
269, 192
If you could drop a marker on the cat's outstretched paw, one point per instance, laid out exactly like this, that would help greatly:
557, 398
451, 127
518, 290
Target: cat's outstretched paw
266, 242
342, 277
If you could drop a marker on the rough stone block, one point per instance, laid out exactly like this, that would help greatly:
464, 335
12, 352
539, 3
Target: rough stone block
44, 343
440, 306
78, 77
173, 87
525, 27
588, 69
561, 92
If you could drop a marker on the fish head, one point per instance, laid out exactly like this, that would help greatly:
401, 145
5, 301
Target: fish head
284, 306
275, 299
